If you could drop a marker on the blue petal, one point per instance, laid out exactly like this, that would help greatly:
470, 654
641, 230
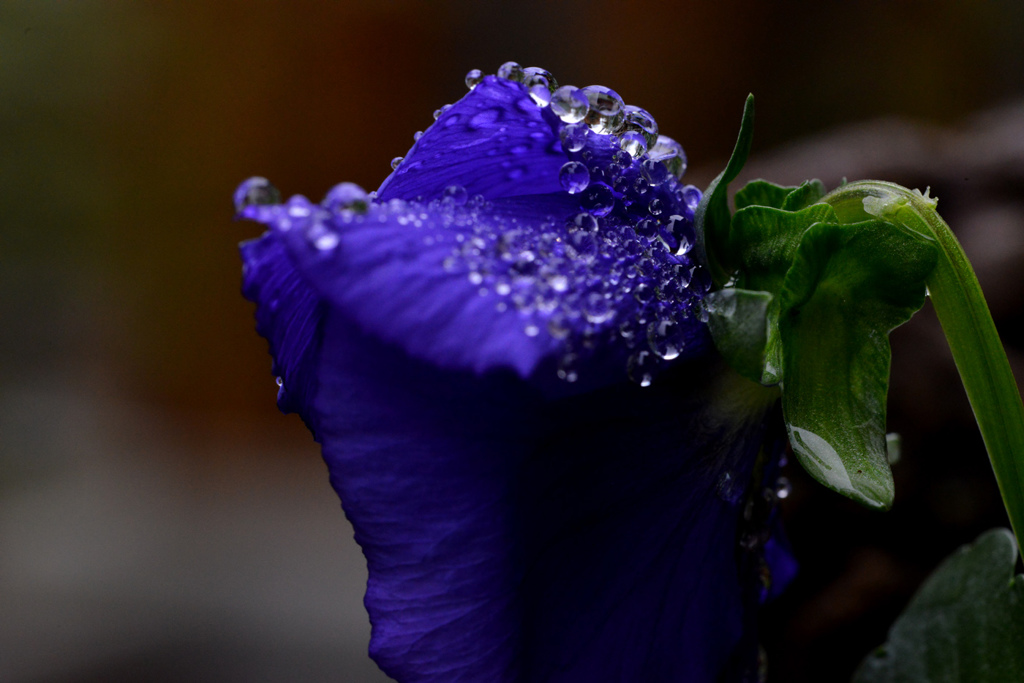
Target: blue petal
513, 539
288, 316
495, 142
385, 268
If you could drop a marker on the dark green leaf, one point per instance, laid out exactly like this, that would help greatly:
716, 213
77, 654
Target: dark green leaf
766, 240
712, 219
761, 193
849, 285
965, 625
809, 192
738, 322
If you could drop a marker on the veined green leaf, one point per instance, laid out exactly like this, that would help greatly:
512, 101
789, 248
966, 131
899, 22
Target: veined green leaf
766, 241
965, 625
737, 319
849, 285
967, 323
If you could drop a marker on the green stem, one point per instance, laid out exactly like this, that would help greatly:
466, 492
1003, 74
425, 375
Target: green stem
967, 323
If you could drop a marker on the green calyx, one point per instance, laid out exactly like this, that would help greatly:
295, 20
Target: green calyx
806, 298
808, 286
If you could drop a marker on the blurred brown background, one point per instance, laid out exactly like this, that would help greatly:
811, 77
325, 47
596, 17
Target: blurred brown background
160, 521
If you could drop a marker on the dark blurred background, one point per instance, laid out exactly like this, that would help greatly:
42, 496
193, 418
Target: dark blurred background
161, 521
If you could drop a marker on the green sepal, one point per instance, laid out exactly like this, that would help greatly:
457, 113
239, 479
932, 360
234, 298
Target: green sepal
763, 193
738, 321
766, 240
964, 625
711, 218
848, 287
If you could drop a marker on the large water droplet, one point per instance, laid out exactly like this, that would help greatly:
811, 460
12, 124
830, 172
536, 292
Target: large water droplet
569, 104
256, 191
640, 121
574, 176
682, 232
666, 338
670, 153
633, 143
605, 112
540, 84
783, 488
346, 197
511, 71
473, 78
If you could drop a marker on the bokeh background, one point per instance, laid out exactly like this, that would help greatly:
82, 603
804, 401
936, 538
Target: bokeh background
161, 521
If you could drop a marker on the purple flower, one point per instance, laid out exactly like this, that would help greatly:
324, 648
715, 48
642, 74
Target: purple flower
472, 346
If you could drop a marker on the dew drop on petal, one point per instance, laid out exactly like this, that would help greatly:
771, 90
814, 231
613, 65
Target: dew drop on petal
633, 143
639, 121
574, 176
473, 78
511, 71
574, 137
598, 199
640, 368
584, 221
569, 104
346, 197
456, 194
256, 191
605, 109
396, 162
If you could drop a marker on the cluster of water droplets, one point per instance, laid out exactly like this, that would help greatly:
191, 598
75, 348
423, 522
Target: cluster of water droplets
617, 272
622, 265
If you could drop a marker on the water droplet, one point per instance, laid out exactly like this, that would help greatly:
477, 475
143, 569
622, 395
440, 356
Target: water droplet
531, 330
639, 368
256, 191
346, 197
666, 339
605, 111
569, 104
511, 71
639, 121
656, 207
574, 136
456, 194
417, 135
540, 84
682, 232
473, 78
783, 488
670, 153
654, 171
279, 381
574, 176
633, 143
396, 162
598, 199
583, 221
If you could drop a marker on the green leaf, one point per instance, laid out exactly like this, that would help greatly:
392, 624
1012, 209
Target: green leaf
766, 240
761, 193
809, 192
737, 319
970, 331
711, 218
965, 625
849, 285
